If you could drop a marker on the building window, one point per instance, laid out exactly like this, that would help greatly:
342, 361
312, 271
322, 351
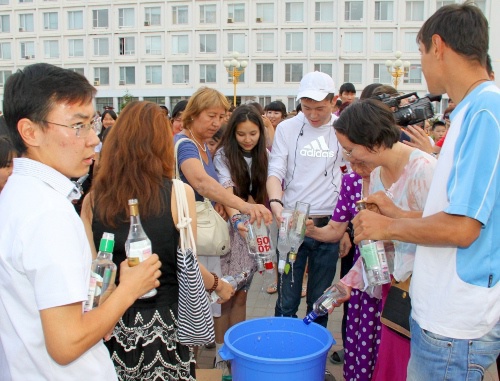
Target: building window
153, 45
5, 23
294, 41
75, 20
381, 75
101, 103
100, 18
265, 12
180, 73
180, 14
324, 68
27, 50
4, 2
79, 70
294, 12
294, 72
265, 42
323, 41
323, 11
208, 14
154, 75
208, 43
101, 76
157, 100
264, 73
353, 73
384, 10
236, 12
180, 44
127, 46
440, 4
126, 17
152, 16
414, 75
5, 51
353, 11
75, 47
411, 45
414, 11
26, 23
4, 74
208, 73
101, 46
51, 49
382, 42
353, 42
50, 21
236, 42
127, 75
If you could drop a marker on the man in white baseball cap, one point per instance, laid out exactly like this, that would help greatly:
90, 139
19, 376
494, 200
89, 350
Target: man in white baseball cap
306, 158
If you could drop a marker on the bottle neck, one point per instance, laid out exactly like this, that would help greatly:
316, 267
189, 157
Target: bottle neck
105, 255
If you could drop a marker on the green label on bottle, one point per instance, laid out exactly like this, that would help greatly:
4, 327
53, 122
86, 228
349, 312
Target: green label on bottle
370, 255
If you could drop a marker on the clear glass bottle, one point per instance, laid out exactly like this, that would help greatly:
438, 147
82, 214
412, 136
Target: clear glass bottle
284, 245
373, 257
102, 273
138, 245
325, 303
237, 282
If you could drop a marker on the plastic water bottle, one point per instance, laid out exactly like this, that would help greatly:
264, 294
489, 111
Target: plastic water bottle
298, 228
103, 273
374, 258
237, 282
325, 304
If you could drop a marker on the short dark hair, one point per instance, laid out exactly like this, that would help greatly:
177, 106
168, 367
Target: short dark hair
33, 91
7, 151
462, 27
489, 65
347, 88
438, 123
276, 106
370, 123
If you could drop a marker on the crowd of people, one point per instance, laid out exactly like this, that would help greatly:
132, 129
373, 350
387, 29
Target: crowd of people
432, 190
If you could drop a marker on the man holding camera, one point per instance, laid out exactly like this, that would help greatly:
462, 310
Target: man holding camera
455, 287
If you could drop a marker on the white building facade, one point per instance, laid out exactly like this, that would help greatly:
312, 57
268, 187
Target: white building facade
164, 50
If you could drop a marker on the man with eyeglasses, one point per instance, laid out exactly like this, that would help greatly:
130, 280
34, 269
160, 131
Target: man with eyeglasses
45, 257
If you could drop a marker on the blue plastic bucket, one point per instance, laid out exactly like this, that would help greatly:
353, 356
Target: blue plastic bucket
277, 348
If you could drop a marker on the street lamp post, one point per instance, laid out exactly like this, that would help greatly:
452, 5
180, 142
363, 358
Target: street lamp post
397, 68
235, 68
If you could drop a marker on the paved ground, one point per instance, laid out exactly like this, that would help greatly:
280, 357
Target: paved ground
262, 304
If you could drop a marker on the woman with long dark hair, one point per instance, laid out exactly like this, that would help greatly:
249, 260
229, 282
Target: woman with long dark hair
241, 164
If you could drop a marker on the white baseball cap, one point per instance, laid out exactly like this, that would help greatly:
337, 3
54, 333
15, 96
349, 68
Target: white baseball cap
316, 85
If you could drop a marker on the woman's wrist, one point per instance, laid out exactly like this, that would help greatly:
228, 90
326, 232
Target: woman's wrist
215, 285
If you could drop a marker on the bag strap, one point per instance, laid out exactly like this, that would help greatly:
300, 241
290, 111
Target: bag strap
186, 240
177, 172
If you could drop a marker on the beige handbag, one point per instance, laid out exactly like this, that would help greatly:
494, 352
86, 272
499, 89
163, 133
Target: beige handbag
212, 237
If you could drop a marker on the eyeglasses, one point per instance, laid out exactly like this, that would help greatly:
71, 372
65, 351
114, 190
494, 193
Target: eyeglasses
82, 129
347, 153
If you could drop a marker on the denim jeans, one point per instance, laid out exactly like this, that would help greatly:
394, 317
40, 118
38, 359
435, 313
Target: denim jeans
322, 265
436, 357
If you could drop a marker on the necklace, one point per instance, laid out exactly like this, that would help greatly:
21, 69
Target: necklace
196, 141
470, 87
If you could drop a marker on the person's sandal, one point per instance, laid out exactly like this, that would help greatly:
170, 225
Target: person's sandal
337, 357
272, 288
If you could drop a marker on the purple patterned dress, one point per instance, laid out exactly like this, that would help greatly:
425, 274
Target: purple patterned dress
363, 317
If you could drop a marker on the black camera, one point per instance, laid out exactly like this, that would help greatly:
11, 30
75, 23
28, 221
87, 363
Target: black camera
416, 111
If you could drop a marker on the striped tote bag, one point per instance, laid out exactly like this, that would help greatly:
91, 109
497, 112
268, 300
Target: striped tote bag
195, 322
